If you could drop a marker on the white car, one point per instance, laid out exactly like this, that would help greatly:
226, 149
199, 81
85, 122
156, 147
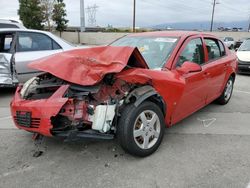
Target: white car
10, 24
19, 47
243, 55
229, 42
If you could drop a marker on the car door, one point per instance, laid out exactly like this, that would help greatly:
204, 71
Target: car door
32, 46
216, 67
7, 72
195, 84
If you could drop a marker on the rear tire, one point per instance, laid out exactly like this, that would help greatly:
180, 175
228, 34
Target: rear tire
227, 92
141, 129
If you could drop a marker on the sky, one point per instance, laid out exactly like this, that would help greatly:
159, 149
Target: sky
148, 12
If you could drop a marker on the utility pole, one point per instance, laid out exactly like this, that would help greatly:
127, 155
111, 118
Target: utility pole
212, 20
249, 25
134, 7
82, 16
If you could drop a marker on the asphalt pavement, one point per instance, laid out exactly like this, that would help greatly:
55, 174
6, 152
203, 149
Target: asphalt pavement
211, 148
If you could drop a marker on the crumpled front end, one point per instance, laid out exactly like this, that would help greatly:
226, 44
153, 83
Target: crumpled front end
81, 97
35, 115
53, 107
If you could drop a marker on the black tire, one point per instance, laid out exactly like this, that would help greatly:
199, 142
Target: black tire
224, 98
126, 128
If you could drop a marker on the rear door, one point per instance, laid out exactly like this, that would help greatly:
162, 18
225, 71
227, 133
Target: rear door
216, 67
32, 46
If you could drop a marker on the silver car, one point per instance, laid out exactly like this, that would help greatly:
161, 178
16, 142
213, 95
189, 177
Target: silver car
10, 24
19, 47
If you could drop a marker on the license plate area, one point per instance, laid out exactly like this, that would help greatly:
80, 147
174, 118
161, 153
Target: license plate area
23, 118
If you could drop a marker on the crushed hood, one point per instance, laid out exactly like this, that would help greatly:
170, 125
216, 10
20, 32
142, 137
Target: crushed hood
89, 66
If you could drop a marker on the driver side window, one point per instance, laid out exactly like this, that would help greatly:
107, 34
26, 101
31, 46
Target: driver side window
193, 52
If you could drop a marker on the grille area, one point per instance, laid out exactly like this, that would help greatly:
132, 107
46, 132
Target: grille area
25, 119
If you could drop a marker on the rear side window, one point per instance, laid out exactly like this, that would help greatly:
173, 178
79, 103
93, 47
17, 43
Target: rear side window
213, 49
56, 46
193, 52
28, 41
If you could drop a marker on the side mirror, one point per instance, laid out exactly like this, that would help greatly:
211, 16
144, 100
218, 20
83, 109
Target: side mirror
189, 67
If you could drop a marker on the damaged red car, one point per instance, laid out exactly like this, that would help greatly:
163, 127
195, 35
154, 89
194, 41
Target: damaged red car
130, 90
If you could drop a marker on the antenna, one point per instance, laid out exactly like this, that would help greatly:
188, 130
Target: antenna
91, 10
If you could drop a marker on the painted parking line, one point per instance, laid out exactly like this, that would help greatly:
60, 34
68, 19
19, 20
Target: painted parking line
239, 91
4, 118
248, 185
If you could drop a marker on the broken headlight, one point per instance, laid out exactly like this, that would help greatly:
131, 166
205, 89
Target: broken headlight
28, 86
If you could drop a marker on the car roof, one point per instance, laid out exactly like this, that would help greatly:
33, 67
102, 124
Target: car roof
11, 22
61, 42
19, 29
182, 34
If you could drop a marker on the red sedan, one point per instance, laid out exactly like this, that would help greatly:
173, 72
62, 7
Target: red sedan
130, 89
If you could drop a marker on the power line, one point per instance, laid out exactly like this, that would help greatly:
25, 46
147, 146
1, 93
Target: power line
91, 10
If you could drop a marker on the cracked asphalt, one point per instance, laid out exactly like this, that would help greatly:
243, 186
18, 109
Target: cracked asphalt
211, 148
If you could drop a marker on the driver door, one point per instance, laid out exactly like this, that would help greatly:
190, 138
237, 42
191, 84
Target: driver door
195, 83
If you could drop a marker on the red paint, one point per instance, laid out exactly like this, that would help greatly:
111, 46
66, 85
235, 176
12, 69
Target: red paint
88, 66
43, 109
183, 92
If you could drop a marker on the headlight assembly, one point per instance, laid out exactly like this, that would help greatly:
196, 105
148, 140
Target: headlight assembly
28, 86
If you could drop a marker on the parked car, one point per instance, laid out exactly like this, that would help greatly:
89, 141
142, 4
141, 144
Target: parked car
229, 42
243, 55
10, 24
238, 43
130, 89
19, 47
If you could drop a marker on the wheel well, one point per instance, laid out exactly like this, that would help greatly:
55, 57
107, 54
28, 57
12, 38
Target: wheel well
146, 93
159, 102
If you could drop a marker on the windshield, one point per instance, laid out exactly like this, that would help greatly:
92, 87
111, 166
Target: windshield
245, 46
155, 50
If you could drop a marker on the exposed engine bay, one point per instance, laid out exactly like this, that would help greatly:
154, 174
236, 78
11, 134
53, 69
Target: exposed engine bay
88, 107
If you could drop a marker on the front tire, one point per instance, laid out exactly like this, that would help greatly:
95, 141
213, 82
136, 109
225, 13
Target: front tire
227, 92
141, 129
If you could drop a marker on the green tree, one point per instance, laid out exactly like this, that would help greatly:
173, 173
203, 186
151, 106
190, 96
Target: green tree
59, 15
31, 14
